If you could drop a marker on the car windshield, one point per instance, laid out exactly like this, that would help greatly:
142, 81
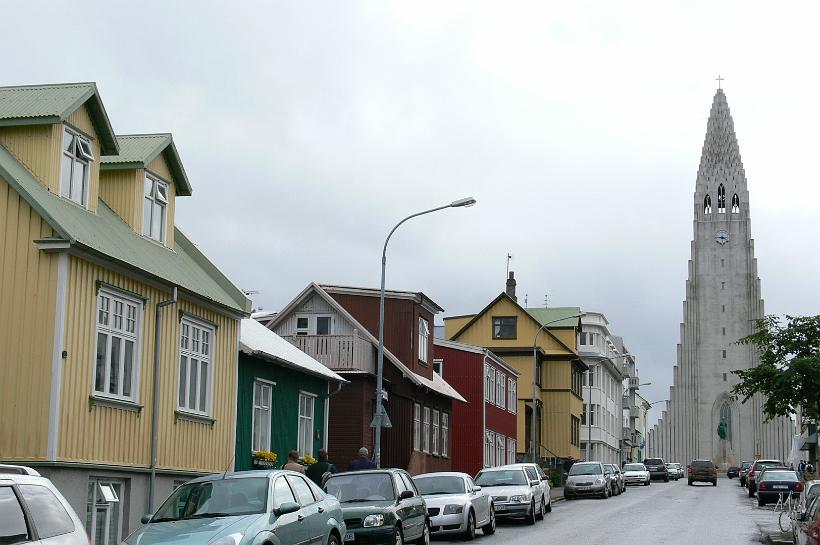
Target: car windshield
814, 490
773, 475
585, 469
220, 498
761, 465
634, 467
361, 487
440, 485
504, 477
653, 462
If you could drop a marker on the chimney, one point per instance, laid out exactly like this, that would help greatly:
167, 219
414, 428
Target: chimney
511, 286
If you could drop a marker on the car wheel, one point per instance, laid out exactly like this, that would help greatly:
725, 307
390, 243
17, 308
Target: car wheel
549, 506
666, 479
332, 539
469, 534
751, 492
541, 510
398, 538
760, 502
605, 493
425, 535
690, 482
647, 482
714, 483
489, 528
530, 518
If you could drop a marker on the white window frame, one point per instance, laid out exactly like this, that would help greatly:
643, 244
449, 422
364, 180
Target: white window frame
301, 330
488, 391
156, 200
512, 395
424, 339
261, 442
81, 155
316, 324
126, 327
511, 449
500, 449
108, 509
307, 421
436, 431
489, 448
425, 440
500, 389
445, 434
440, 363
491, 386
416, 426
191, 346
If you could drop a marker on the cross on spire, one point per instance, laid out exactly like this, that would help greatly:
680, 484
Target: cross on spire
719, 79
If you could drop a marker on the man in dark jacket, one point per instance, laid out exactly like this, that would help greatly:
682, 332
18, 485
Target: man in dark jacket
319, 471
361, 462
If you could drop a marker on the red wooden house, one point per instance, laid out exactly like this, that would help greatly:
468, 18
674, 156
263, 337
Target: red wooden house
486, 425
338, 326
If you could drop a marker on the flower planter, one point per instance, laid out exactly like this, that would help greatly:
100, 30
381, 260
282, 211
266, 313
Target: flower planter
259, 463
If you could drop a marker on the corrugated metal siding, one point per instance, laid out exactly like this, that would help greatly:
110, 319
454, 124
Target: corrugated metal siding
81, 119
159, 167
28, 284
122, 191
32, 145
121, 437
349, 427
285, 408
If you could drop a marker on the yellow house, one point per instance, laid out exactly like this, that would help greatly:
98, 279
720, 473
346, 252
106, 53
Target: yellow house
509, 330
118, 337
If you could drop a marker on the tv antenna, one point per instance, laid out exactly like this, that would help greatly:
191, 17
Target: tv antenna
509, 257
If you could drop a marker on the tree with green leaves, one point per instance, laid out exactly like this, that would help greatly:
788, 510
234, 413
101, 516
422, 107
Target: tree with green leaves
788, 376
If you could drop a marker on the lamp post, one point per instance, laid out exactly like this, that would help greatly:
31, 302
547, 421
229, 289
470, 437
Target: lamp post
535, 380
377, 447
589, 389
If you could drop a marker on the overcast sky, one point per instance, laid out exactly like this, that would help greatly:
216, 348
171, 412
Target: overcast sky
309, 128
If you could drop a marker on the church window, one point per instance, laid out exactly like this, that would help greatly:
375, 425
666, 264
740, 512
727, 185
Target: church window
723, 285
724, 377
735, 204
723, 308
726, 416
724, 354
707, 205
722, 262
721, 204
724, 331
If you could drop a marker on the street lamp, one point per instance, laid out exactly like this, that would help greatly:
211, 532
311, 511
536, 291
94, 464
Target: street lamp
377, 447
589, 389
535, 380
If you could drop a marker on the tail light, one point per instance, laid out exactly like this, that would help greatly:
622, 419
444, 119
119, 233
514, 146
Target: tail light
688, 468
763, 486
798, 487
714, 470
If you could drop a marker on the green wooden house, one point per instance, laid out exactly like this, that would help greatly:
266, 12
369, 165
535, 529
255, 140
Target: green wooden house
282, 399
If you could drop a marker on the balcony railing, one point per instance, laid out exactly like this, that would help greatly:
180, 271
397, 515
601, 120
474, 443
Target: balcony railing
338, 352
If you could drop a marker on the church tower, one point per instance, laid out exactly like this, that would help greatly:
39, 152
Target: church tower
723, 300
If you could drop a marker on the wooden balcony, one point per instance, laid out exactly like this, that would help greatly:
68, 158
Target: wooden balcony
338, 352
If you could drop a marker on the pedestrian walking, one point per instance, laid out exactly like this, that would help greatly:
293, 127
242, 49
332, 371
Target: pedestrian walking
321, 470
361, 461
293, 462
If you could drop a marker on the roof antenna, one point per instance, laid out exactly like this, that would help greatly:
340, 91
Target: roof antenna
509, 257
225, 473
546, 300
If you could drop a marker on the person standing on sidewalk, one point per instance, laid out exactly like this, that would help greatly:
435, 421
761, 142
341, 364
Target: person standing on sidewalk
361, 462
293, 464
322, 469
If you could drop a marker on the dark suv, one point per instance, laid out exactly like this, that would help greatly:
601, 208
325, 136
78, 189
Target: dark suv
704, 471
657, 469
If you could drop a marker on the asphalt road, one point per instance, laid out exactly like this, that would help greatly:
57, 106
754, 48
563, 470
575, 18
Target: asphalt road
661, 514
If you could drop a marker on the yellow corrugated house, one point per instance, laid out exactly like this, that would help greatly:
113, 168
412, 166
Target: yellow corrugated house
118, 337
509, 330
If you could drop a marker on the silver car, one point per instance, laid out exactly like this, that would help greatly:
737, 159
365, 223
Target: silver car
618, 483
32, 509
535, 472
514, 494
587, 479
455, 504
636, 474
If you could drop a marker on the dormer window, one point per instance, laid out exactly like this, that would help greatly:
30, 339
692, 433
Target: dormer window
75, 166
154, 208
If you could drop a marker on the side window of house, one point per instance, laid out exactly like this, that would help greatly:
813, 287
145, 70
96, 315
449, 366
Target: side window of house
302, 325
13, 528
504, 327
500, 385
75, 166
445, 434
435, 436
426, 435
261, 418
416, 426
323, 325
424, 339
305, 438
50, 517
154, 208
116, 367
282, 492
195, 366
512, 397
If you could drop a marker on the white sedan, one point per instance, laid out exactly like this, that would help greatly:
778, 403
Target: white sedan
455, 504
636, 474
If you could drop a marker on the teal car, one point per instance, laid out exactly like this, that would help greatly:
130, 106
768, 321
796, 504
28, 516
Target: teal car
245, 508
381, 506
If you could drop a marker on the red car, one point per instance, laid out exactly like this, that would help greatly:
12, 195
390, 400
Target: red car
806, 527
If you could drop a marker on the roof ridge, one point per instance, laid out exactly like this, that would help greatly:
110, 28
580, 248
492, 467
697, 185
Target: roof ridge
144, 135
42, 85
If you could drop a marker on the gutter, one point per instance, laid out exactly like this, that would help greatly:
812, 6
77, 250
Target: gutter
155, 404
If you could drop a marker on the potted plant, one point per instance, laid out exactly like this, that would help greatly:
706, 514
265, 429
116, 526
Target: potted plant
307, 460
264, 459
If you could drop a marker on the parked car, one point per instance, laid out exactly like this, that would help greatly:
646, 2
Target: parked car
535, 472
806, 525
702, 471
515, 494
18, 470
733, 471
614, 485
811, 489
744, 470
618, 478
774, 483
381, 506
657, 469
33, 510
675, 470
757, 465
237, 509
636, 474
455, 504
587, 479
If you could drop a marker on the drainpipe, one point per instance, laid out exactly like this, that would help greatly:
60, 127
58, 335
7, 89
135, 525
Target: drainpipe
155, 401
484, 406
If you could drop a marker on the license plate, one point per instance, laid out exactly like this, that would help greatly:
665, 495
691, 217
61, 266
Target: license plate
780, 487
350, 536
500, 507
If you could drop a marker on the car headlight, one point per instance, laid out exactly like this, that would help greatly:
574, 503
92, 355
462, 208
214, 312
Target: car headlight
599, 481
373, 520
453, 509
518, 499
232, 539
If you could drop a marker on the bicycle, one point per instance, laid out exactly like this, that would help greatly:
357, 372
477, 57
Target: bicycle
787, 507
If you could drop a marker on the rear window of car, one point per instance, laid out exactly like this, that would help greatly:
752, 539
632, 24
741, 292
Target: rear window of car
653, 462
761, 465
780, 476
702, 464
745, 465
49, 515
634, 467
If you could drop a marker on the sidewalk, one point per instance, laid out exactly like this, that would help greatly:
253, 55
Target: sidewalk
557, 494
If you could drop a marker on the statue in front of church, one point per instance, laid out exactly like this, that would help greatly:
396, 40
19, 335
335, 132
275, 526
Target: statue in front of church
721, 429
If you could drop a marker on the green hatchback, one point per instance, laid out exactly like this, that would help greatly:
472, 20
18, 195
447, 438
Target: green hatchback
380, 506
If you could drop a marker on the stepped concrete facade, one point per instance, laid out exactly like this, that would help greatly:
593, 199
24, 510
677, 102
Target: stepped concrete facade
723, 300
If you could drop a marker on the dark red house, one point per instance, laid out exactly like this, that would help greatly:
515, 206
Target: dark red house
338, 326
487, 424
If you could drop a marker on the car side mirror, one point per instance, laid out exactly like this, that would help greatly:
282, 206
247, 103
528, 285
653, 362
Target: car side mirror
146, 519
535, 483
405, 494
476, 488
287, 507
545, 478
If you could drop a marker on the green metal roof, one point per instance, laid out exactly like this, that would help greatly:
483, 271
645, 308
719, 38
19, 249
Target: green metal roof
48, 104
557, 316
138, 150
105, 233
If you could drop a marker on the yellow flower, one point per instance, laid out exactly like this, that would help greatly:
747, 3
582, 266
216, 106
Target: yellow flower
266, 455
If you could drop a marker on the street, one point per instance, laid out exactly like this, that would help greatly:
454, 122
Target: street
664, 513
